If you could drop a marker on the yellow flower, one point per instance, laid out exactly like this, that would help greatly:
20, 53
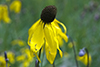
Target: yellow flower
84, 58
8, 0
20, 58
4, 14
25, 64
66, 54
26, 57
15, 6
2, 61
29, 57
46, 30
11, 56
70, 44
19, 42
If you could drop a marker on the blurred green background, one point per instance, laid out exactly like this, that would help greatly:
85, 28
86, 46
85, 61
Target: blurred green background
81, 17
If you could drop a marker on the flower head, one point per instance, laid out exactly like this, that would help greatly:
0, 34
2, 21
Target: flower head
4, 14
11, 57
83, 57
47, 31
8, 56
2, 61
19, 42
15, 6
25, 58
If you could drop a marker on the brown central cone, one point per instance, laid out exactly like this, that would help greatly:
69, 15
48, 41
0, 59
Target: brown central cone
48, 14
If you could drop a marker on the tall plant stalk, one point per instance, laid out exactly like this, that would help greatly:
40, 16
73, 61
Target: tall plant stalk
74, 51
53, 64
39, 57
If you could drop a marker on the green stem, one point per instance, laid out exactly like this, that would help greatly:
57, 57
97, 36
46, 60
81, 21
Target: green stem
6, 64
87, 57
74, 52
43, 54
53, 64
39, 57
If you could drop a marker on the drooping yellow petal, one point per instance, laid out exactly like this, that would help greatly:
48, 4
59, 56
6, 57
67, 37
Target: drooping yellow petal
63, 36
57, 42
51, 44
59, 31
32, 29
50, 38
84, 59
32, 53
60, 52
55, 25
37, 39
49, 55
65, 30
60, 40
38, 57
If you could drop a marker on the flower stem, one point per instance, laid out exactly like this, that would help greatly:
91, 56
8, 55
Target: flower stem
5, 55
53, 64
6, 64
87, 57
39, 57
74, 52
43, 54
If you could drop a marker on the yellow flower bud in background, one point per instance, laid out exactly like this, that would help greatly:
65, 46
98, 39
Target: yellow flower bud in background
84, 58
4, 14
11, 56
15, 6
2, 61
20, 58
19, 42
8, 0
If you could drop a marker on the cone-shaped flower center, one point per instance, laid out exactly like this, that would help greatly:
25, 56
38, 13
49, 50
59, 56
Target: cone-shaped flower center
48, 14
